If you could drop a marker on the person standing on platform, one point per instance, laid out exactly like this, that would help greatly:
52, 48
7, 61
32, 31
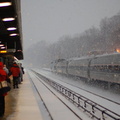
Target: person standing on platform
15, 71
21, 72
3, 77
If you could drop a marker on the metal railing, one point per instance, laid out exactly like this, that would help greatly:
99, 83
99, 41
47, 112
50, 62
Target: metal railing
95, 110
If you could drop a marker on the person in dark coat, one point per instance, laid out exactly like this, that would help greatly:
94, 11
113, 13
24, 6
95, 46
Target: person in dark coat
15, 71
3, 77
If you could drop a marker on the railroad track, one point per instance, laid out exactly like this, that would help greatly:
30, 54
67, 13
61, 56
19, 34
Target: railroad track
93, 93
91, 108
37, 81
88, 91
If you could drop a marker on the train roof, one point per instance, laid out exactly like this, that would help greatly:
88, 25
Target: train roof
93, 56
84, 57
111, 54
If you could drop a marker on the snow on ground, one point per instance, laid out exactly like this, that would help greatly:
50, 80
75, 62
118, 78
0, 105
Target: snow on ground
57, 109
105, 93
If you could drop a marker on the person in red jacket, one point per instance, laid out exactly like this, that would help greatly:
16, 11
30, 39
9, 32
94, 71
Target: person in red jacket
15, 71
3, 77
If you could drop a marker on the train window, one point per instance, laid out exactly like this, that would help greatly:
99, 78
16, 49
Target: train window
107, 68
98, 68
101, 67
116, 68
104, 68
110, 68
95, 67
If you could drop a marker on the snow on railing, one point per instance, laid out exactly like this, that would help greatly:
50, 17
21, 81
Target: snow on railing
95, 110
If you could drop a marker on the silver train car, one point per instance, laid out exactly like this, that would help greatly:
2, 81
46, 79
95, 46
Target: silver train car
106, 68
79, 67
61, 67
101, 67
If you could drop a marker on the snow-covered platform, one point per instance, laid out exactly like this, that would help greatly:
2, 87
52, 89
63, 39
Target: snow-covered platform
21, 103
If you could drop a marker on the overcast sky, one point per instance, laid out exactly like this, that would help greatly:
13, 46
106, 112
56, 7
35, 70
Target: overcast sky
51, 19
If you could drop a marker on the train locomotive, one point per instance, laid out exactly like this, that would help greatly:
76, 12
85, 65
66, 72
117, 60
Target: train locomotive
101, 67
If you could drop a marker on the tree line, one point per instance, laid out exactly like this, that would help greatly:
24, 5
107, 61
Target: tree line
105, 39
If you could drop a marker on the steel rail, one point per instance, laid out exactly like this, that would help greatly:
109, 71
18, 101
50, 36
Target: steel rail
41, 98
39, 78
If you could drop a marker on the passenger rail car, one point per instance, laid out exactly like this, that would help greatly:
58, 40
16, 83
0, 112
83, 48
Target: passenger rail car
106, 68
79, 67
61, 67
100, 67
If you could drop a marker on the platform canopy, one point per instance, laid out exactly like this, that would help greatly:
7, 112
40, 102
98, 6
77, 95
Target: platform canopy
10, 28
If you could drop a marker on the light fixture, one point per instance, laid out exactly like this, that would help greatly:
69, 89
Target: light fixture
11, 28
3, 51
13, 34
118, 50
1, 45
5, 4
8, 19
19, 50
